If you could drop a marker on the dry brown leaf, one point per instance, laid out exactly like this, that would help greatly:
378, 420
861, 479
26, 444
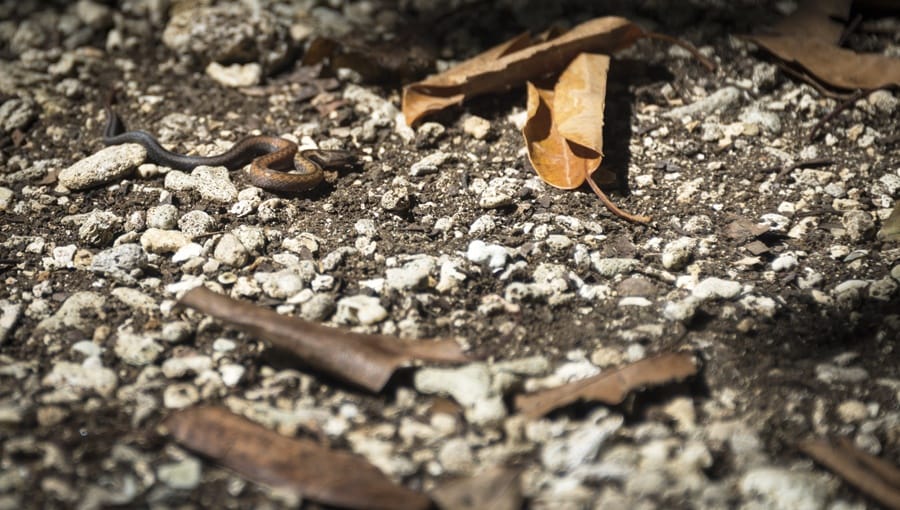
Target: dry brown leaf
497, 488
564, 128
816, 19
610, 387
298, 465
558, 162
366, 360
809, 37
873, 476
830, 64
490, 73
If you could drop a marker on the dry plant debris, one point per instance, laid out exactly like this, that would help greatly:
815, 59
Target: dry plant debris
564, 132
610, 387
875, 477
298, 465
366, 360
497, 488
809, 38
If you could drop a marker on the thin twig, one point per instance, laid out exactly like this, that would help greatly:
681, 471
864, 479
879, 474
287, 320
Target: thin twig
811, 82
612, 207
690, 48
849, 29
838, 109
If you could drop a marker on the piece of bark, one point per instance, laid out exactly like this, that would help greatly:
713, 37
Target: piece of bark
299, 465
610, 387
873, 476
500, 68
366, 360
497, 488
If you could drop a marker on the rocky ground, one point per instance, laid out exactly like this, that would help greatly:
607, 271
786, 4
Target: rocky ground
769, 272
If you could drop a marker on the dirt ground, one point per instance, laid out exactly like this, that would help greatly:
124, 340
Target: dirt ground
796, 352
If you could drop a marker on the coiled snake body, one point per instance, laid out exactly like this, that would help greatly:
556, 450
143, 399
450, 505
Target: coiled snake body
270, 157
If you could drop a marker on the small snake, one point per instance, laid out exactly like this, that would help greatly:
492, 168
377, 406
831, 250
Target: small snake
269, 157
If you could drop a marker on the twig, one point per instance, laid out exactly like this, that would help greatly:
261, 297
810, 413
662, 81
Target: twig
838, 109
811, 82
849, 29
678, 42
612, 207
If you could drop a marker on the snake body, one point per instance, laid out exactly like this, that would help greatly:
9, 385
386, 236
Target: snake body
269, 157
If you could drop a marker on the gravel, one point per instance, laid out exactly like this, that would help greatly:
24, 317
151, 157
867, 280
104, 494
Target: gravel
763, 264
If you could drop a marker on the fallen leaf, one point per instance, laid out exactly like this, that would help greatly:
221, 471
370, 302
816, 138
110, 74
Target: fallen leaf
510, 64
299, 465
809, 37
610, 387
890, 229
366, 360
564, 127
497, 488
873, 476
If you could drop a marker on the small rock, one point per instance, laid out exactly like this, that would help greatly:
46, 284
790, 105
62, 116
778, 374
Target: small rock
82, 379
784, 262
163, 217
235, 75
828, 373
120, 262
176, 332
470, 386
858, 224
678, 253
456, 456
582, 445
196, 223
477, 127
360, 309
211, 182
884, 101
107, 165
430, 164
9, 315
154, 240
491, 255
884, 289
17, 113
99, 228
610, 267
500, 192
319, 308
683, 310
412, 276
231, 374
136, 349
852, 411
180, 395
196, 364
768, 121
230, 251
716, 288
784, 489
6, 198
80, 312
135, 299
719, 100
93, 14
396, 200
184, 475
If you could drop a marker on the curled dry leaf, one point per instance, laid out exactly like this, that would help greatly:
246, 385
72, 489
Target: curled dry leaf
513, 63
809, 38
496, 488
564, 128
873, 476
298, 465
366, 360
610, 387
